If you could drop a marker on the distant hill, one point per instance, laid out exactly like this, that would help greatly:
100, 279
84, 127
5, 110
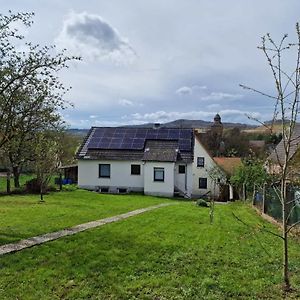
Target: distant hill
181, 123
184, 123
79, 132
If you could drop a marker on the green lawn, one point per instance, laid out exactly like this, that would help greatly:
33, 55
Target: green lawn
23, 216
23, 179
170, 253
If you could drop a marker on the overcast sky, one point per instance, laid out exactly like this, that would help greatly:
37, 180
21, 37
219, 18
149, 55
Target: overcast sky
161, 60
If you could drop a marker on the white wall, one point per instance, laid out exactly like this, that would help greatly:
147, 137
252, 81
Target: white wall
120, 175
199, 151
184, 181
165, 188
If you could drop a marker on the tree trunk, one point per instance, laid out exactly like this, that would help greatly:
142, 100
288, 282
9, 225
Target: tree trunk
60, 181
8, 190
264, 199
286, 278
254, 194
16, 173
41, 192
244, 191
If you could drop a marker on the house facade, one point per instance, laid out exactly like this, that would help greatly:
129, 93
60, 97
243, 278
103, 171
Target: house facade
155, 161
275, 161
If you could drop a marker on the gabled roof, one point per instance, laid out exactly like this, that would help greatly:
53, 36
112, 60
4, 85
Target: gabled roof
278, 154
161, 151
228, 164
148, 144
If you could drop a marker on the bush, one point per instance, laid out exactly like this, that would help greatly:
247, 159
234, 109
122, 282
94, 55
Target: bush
33, 186
202, 202
70, 187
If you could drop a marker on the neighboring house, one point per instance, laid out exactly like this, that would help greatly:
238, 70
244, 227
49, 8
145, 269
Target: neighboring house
228, 165
275, 160
156, 161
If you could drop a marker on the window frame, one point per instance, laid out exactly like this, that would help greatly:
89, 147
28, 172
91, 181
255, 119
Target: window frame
203, 186
100, 173
202, 159
160, 169
133, 173
180, 167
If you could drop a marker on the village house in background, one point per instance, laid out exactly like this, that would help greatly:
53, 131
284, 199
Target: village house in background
156, 161
276, 158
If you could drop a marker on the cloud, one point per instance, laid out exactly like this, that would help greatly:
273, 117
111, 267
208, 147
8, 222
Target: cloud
93, 116
199, 87
215, 96
228, 115
186, 90
93, 38
125, 102
163, 116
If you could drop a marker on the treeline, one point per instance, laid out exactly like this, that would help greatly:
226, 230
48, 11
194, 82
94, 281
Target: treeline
32, 131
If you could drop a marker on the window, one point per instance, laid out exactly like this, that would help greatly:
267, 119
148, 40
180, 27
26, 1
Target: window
135, 169
200, 162
104, 170
181, 169
202, 183
159, 174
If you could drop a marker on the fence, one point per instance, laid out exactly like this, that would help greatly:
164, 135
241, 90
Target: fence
267, 200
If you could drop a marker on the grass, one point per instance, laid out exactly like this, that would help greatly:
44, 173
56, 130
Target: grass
23, 179
169, 253
23, 216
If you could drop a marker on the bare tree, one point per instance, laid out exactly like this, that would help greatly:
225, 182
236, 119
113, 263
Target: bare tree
218, 177
46, 152
286, 109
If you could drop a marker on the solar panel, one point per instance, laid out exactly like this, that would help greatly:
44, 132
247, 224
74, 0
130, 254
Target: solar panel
126, 146
135, 138
184, 134
151, 134
173, 134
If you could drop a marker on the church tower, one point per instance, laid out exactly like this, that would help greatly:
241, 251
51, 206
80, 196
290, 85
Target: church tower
217, 126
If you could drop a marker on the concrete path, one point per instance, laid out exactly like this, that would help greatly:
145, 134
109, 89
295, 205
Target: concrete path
13, 247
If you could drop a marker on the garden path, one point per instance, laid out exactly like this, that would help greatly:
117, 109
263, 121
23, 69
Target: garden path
37, 240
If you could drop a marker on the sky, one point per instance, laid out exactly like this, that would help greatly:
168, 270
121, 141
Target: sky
161, 60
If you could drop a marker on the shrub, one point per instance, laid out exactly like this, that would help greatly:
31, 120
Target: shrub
33, 186
202, 202
70, 187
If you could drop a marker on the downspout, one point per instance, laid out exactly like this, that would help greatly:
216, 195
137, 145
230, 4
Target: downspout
185, 178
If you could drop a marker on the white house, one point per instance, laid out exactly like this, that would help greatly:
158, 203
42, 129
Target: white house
156, 161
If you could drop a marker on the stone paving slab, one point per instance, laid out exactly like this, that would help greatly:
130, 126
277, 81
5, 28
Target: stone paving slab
30, 242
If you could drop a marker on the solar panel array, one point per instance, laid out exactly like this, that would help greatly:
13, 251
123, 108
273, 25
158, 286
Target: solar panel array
135, 138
